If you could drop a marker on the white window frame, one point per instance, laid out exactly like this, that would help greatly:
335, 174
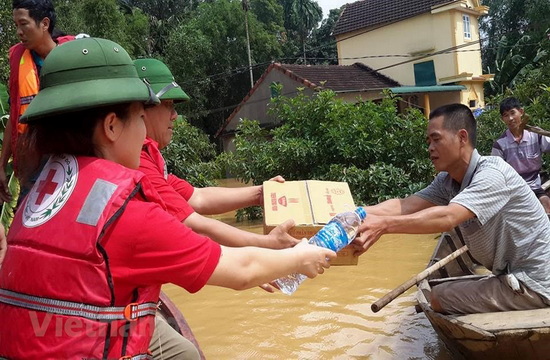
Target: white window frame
467, 26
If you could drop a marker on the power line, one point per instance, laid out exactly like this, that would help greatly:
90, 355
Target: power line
441, 52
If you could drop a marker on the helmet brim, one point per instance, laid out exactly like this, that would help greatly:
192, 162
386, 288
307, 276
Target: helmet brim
78, 96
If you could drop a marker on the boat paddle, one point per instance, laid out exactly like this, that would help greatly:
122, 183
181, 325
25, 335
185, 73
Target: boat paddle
392, 295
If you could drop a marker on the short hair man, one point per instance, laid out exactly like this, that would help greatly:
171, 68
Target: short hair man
35, 21
522, 149
503, 224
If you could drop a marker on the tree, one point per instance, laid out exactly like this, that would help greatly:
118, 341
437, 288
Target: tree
323, 44
8, 38
324, 138
204, 52
513, 62
164, 16
104, 18
515, 26
191, 156
302, 17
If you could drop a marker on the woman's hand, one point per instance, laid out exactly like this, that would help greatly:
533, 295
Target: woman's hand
315, 259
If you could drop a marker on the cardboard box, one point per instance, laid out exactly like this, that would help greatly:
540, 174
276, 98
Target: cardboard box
311, 203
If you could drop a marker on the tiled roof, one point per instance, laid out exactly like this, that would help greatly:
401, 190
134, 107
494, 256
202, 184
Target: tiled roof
354, 77
367, 13
339, 78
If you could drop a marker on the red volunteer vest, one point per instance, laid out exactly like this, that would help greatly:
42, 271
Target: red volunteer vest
56, 252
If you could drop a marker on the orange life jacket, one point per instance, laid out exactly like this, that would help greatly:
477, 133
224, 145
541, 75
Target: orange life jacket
22, 66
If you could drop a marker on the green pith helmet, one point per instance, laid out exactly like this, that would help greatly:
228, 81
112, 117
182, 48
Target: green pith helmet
161, 80
83, 74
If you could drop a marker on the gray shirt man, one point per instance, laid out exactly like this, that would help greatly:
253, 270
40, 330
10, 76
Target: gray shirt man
511, 231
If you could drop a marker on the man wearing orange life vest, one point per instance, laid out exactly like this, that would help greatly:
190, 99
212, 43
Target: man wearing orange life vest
35, 21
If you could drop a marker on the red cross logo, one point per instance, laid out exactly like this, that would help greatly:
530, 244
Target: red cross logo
46, 187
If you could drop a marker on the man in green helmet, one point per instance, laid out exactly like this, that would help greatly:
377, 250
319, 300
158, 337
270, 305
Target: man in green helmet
185, 202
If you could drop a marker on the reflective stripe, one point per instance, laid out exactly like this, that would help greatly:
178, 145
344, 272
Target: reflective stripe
25, 100
138, 357
95, 202
129, 312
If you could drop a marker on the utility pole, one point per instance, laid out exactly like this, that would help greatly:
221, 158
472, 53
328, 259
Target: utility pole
246, 7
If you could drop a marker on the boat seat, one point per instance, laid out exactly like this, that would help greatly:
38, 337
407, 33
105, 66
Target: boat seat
508, 320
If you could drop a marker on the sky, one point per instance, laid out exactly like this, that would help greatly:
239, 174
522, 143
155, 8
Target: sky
328, 5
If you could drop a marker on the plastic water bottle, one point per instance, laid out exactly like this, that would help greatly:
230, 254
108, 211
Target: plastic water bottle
335, 235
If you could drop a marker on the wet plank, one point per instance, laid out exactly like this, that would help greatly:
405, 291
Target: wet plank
509, 320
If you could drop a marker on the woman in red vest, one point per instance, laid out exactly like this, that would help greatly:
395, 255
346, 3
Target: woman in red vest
91, 244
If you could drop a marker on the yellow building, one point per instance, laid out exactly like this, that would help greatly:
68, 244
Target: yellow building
431, 47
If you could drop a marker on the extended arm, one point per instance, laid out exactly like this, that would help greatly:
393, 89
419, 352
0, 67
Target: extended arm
228, 235
404, 206
244, 268
217, 200
430, 220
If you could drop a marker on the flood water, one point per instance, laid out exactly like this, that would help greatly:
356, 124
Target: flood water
328, 317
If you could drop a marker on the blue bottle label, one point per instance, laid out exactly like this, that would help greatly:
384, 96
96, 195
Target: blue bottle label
332, 236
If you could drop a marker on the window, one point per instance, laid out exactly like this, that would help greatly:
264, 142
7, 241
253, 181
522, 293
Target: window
424, 74
466, 26
473, 103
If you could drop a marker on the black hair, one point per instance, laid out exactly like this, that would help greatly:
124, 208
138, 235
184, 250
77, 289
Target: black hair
509, 104
457, 117
69, 133
38, 10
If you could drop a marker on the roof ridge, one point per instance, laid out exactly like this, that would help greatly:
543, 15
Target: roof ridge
368, 13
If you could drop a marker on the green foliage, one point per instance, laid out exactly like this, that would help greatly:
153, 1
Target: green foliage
514, 31
4, 105
513, 62
323, 43
213, 41
379, 152
104, 18
191, 156
7, 38
8, 208
300, 19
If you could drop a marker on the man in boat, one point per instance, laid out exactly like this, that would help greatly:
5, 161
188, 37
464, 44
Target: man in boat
522, 149
504, 225
187, 203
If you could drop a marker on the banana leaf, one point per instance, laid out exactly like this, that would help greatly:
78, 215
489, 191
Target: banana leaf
4, 107
8, 208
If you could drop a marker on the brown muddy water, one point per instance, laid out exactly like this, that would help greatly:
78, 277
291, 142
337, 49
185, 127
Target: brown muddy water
328, 317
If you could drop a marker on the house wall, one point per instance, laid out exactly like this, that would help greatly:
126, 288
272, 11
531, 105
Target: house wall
427, 33
353, 97
255, 108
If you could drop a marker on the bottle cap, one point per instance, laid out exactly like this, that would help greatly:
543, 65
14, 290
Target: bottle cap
360, 211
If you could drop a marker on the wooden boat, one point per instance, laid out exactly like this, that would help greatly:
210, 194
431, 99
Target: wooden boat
175, 318
500, 335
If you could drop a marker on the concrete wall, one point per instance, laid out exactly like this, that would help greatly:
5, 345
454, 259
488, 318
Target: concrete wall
427, 33
256, 106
